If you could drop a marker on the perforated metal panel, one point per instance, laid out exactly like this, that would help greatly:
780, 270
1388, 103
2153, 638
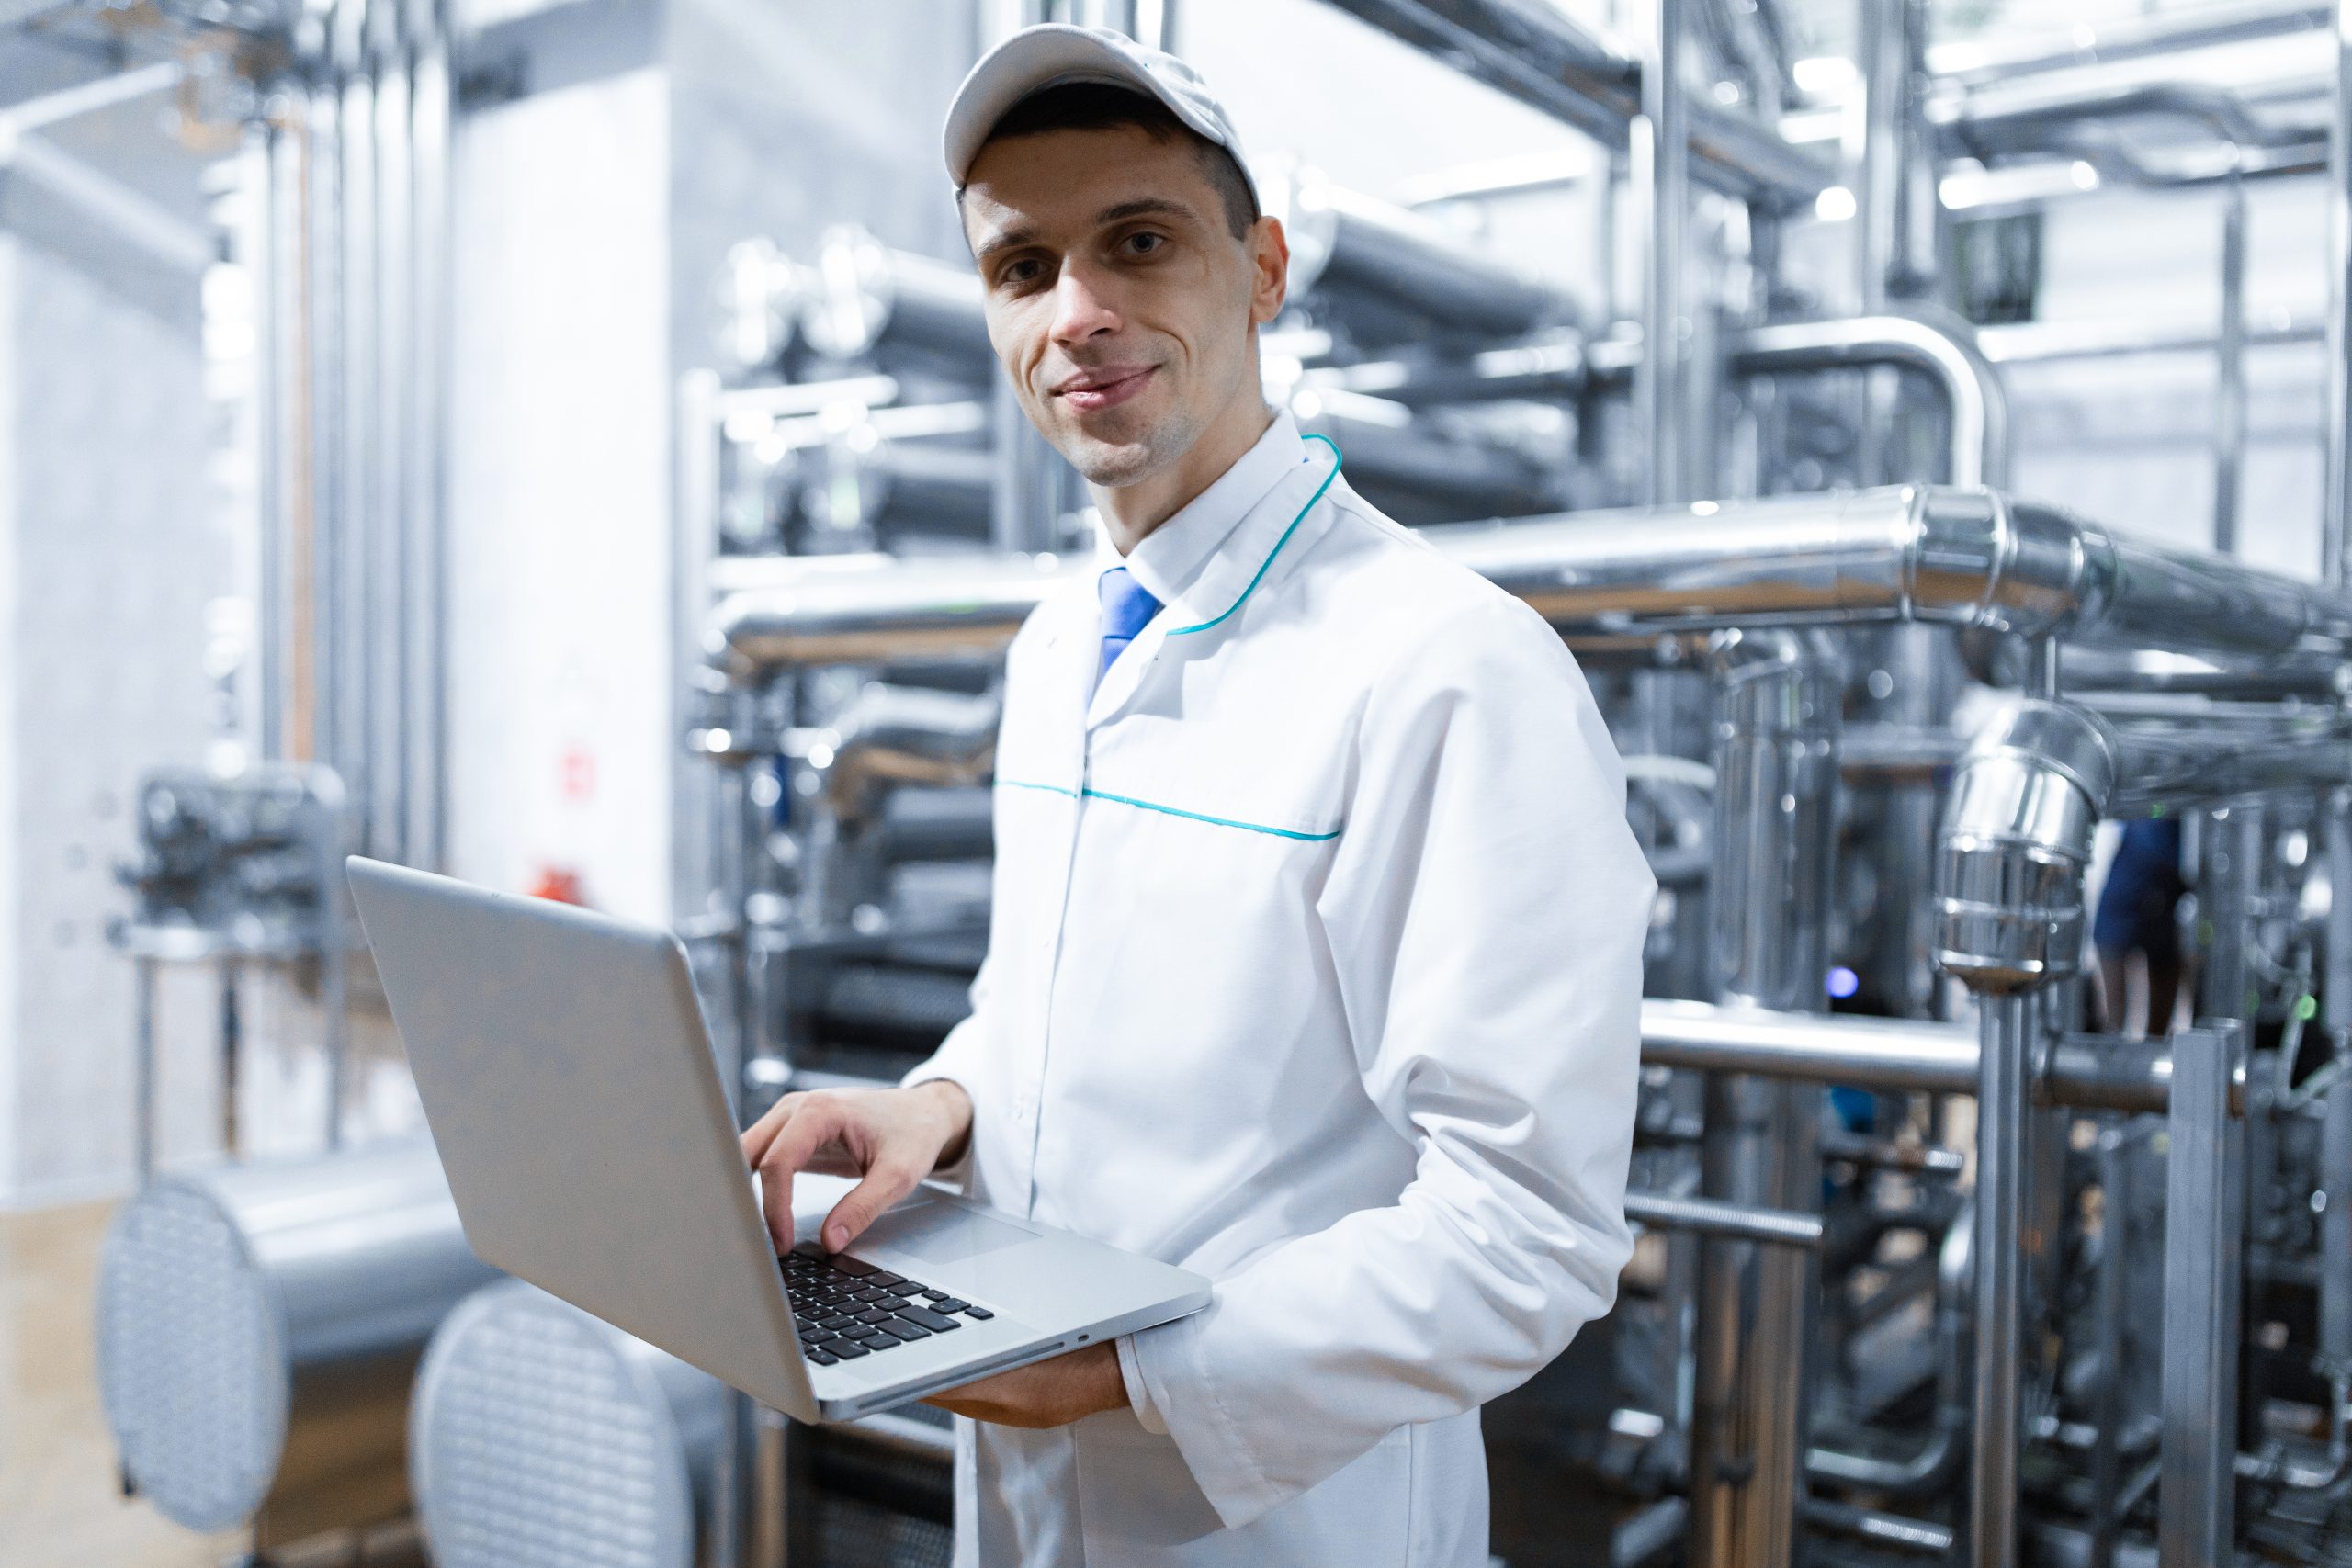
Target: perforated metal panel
540, 1439
192, 1358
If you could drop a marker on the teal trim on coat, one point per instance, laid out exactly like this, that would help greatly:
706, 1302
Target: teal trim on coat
1172, 811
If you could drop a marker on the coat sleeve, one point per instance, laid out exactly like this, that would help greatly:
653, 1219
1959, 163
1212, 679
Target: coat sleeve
1486, 912
962, 1060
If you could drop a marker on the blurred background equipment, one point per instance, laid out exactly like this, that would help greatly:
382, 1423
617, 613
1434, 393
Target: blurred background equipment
258, 1329
563, 445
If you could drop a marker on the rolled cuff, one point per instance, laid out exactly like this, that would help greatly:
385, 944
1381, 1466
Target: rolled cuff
1185, 1399
1138, 1390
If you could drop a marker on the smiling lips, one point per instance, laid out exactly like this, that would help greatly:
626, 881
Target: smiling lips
1107, 386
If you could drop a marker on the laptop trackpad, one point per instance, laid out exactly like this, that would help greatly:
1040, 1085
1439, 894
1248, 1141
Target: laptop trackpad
944, 1233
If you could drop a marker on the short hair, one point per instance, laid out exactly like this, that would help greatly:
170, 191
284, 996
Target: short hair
1099, 106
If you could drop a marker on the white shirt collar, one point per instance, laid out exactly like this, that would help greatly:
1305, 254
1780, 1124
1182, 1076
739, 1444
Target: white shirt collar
1172, 555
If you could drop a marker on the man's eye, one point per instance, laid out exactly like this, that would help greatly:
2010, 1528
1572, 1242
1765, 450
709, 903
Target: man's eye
1147, 242
1014, 273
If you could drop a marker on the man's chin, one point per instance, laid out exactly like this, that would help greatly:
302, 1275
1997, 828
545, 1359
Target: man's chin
1113, 464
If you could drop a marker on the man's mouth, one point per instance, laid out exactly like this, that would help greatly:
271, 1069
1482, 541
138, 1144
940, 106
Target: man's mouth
1088, 396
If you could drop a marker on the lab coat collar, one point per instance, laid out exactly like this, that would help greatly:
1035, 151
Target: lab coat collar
1171, 556
1273, 482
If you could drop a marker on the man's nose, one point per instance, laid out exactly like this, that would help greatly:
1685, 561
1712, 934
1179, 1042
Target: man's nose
1081, 309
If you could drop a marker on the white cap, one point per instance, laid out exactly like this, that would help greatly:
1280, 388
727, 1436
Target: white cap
1051, 53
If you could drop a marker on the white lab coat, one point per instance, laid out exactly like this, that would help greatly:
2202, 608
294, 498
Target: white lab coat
1314, 966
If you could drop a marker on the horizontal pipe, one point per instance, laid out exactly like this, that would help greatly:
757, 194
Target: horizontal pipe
2026, 342
2091, 1072
2002, 53
1936, 555
1342, 238
1911, 1538
1542, 57
1735, 1221
1866, 1052
2168, 766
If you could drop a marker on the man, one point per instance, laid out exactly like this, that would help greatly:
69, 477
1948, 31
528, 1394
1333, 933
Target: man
1315, 961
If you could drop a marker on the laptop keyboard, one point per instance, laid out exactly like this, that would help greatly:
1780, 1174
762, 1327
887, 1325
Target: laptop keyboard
847, 1308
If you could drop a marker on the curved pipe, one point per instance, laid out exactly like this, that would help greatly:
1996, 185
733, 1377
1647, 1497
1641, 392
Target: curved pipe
1947, 354
1929, 1467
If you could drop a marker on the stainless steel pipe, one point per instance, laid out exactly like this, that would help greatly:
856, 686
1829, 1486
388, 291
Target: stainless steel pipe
1976, 401
257, 1327
1731, 1222
1542, 57
1776, 697
863, 300
1343, 239
1937, 555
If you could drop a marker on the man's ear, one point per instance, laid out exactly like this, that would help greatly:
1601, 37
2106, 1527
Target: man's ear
1270, 256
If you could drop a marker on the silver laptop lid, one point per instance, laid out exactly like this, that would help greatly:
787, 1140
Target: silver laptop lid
565, 1071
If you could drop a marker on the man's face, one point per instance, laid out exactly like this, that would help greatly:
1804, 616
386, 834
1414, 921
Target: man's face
1118, 300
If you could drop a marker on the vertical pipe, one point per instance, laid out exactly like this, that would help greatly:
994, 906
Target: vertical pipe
2115, 1155
698, 843
232, 1054
2204, 1213
273, 324
426, 721
2005, 1023
142, 1062
2229, 381
334, 1007
1876, 166
1660, 170
1776, 772
390, 375
2335, 1126
730, 1482
320, 535
2335, 510
2226, 880
353, 523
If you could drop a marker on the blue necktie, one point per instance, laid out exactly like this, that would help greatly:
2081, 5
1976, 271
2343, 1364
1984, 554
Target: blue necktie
1127, 608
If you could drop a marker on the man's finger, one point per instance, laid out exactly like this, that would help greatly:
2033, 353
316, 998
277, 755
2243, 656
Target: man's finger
819, 1120
887, 1181
760, 1134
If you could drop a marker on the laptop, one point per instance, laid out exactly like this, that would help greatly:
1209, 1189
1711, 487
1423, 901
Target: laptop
571, 1088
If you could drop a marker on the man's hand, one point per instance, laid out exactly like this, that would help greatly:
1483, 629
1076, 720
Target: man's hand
892, 1137
1043, 1394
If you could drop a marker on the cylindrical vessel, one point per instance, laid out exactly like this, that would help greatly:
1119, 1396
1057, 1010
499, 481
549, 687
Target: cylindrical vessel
868, 300
1340, 238
257, 1328
539, 1433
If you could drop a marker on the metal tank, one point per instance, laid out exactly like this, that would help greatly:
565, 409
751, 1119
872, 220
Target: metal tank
541, 1435
543, 1438
257, 1328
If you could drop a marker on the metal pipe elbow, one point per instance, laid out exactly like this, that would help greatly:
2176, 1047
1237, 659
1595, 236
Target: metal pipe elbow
2015, 842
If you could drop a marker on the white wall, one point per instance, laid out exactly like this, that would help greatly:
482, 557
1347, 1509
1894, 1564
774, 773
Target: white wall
106, 527
559, 499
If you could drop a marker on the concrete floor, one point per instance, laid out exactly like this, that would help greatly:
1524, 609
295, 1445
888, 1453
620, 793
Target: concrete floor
59, 1505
